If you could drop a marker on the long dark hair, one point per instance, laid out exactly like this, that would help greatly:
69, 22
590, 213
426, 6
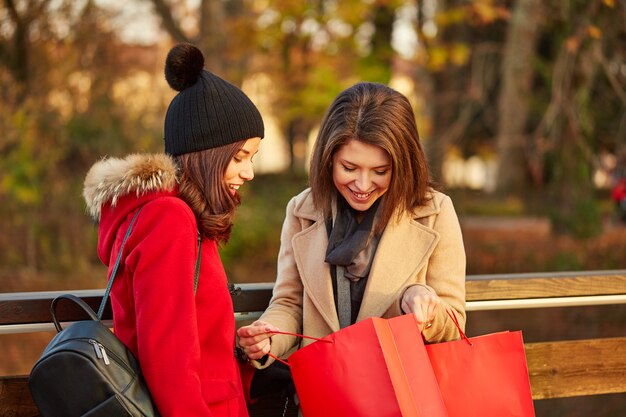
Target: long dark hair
202, 187
375, 114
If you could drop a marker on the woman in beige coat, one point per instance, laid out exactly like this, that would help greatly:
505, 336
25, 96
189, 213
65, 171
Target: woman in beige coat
371, 237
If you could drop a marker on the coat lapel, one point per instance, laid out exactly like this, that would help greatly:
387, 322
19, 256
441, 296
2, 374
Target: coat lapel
391, 271
404, 248
309, 249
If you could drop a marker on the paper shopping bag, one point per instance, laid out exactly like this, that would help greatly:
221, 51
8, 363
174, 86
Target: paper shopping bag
374, 368
484, 376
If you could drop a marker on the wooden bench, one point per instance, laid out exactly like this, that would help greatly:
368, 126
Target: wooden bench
561, 364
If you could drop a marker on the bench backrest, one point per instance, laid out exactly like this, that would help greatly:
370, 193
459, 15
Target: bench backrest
599, 366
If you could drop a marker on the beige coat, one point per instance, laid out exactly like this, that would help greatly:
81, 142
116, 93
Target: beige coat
424, 249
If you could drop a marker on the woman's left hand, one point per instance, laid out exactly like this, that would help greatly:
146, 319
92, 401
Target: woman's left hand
422, 302
255, 339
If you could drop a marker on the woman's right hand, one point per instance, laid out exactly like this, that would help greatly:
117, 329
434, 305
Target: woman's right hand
255, 339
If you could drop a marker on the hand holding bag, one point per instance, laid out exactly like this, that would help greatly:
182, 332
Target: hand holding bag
483, 376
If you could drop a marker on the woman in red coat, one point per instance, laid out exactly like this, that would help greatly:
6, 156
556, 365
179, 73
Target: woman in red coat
183, 335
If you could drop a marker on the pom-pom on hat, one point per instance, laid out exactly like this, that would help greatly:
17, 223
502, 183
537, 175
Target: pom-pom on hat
208, 111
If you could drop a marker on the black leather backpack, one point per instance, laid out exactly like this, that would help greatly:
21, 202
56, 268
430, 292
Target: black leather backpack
86, 370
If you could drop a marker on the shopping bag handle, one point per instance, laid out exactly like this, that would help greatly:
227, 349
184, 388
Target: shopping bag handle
300, 335
296, 335
455, 320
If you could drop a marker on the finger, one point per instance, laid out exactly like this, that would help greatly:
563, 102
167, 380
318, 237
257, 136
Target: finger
265, 326
406, 306
257, 351
246, 341
253, 330
256, 355
432, 311
256, 348
428, 309
410, 300
419, 316
270, 328
435, 307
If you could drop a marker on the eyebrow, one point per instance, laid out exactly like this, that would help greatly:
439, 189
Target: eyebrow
345, 161
246, 152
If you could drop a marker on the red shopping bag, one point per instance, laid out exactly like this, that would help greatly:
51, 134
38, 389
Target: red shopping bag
374, 368
484, 376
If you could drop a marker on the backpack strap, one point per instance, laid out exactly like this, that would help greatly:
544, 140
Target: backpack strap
107, 291
197, 274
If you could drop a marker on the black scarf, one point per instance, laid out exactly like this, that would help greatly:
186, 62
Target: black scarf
352, 244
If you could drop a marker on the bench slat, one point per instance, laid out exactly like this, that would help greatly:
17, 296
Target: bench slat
577, 367
16, 401
519, 286
556, 369
25, 308
15, 398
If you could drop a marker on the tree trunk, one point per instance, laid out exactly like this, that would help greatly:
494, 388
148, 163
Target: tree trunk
213, 36
576, 211
297, 132
378, 63
513, 100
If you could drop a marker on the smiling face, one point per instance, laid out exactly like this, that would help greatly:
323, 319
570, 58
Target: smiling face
240, 169
361, 173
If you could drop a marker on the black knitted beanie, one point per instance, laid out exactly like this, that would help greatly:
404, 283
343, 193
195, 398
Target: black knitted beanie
208, 111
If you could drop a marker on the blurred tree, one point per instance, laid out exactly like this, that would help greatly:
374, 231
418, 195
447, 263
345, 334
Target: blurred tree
59, 113
538, 108
15, 49
73, 90
223, 30
583, 86
514, 98
314, 50
457, 64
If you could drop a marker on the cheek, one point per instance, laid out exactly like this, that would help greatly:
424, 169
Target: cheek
340, 178
230, 172
384, 183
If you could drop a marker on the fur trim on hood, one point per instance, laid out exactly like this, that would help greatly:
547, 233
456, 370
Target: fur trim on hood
112, 178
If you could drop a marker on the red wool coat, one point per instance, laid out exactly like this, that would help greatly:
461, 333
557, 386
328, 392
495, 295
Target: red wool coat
184, 341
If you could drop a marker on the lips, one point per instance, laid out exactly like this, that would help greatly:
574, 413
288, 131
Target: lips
361, 196
233, 188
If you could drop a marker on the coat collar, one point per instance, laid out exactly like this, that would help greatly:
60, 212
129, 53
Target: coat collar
390, 272
112, 178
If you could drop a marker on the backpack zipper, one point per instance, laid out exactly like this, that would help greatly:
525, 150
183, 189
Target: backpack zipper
101, 352
101, 349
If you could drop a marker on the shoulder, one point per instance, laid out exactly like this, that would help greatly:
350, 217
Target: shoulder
440, 200
302, 206
435, 203
170, 214
304, 199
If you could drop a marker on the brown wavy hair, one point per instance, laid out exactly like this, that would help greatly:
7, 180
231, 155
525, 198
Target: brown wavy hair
378, 115
202, 187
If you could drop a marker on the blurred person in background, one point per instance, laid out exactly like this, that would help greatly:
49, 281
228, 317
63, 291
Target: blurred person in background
618, 192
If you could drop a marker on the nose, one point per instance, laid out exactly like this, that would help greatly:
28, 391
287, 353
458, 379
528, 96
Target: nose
247, 173
363, 181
